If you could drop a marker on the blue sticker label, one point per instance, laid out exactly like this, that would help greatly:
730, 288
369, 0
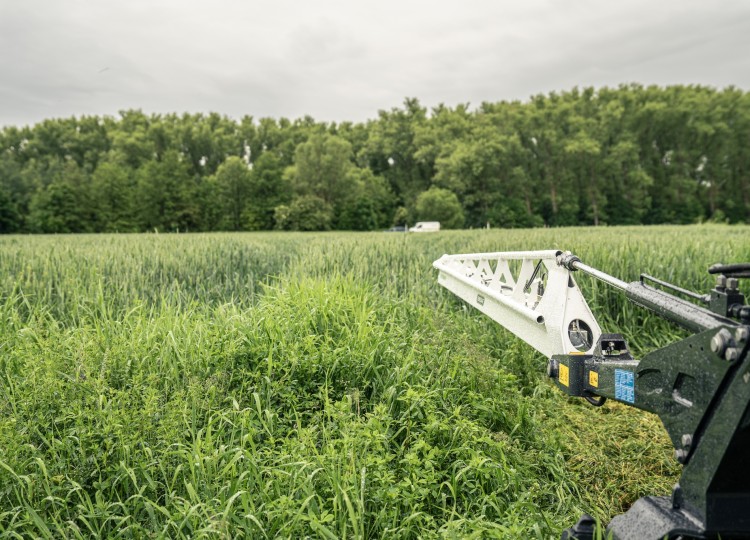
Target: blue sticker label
625, 385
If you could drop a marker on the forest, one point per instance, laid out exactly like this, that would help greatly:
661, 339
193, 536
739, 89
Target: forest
607, 156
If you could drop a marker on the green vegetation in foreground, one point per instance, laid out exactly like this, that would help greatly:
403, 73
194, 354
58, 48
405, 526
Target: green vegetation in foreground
291, 385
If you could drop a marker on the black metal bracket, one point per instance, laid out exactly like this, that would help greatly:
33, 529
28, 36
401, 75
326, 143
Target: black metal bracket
654, 517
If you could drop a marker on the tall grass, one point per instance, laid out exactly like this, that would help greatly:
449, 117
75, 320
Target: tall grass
323, 385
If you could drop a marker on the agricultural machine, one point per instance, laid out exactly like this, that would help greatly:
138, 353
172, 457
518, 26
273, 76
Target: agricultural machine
699, 386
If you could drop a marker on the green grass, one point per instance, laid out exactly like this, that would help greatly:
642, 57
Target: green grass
322, 385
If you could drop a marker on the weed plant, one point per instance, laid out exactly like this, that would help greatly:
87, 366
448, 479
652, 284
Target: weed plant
312, 385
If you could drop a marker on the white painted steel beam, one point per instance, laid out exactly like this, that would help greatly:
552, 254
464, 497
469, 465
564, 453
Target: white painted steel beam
528, 293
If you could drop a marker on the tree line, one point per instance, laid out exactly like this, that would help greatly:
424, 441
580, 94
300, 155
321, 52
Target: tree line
626, 155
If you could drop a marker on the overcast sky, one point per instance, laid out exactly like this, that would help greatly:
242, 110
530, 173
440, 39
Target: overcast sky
345, 60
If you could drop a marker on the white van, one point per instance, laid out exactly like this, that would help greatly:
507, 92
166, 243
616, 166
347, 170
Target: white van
426, 226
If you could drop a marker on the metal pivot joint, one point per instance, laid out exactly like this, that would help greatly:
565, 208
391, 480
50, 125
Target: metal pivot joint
699, 386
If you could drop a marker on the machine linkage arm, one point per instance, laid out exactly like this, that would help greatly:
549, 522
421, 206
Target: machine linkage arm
699, 386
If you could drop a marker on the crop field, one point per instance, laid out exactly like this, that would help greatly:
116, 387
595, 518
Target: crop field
298, 385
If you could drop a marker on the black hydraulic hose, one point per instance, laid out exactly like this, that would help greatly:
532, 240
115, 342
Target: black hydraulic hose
677, 310
668, 306
731, 270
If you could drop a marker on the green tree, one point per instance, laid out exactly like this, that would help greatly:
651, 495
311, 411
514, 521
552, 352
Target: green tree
586, 152
737, 207
167, 195
514, 208
233, 187
400, 216
10, 221
63, 205
320, 168
630, 154
268, 189
305, 213
541, 128
391, 150
53, 209
437, 204
13, 194
626, 184
112, 191
131, 139
206, 141
369, 204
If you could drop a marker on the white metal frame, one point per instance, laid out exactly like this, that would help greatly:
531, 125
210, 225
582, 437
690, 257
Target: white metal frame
485, 281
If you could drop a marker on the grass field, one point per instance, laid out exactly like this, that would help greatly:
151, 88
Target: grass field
312, 385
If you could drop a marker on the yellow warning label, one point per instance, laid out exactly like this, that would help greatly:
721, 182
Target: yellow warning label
594, 379
564, 377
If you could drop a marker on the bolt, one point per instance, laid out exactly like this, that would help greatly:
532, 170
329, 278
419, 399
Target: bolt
687, 440
681, 455
732, 283
553, 368
676, 496
742, 333
720, 341
721, 281
732, 354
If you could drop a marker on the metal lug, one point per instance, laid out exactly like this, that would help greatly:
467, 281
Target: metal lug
676, 496
721, 281
732, 283
732, 354
742, 334
553, 368
687, 440
681, 455
720, 342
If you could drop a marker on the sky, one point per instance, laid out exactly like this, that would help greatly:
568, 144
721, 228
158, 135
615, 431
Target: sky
344, 60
